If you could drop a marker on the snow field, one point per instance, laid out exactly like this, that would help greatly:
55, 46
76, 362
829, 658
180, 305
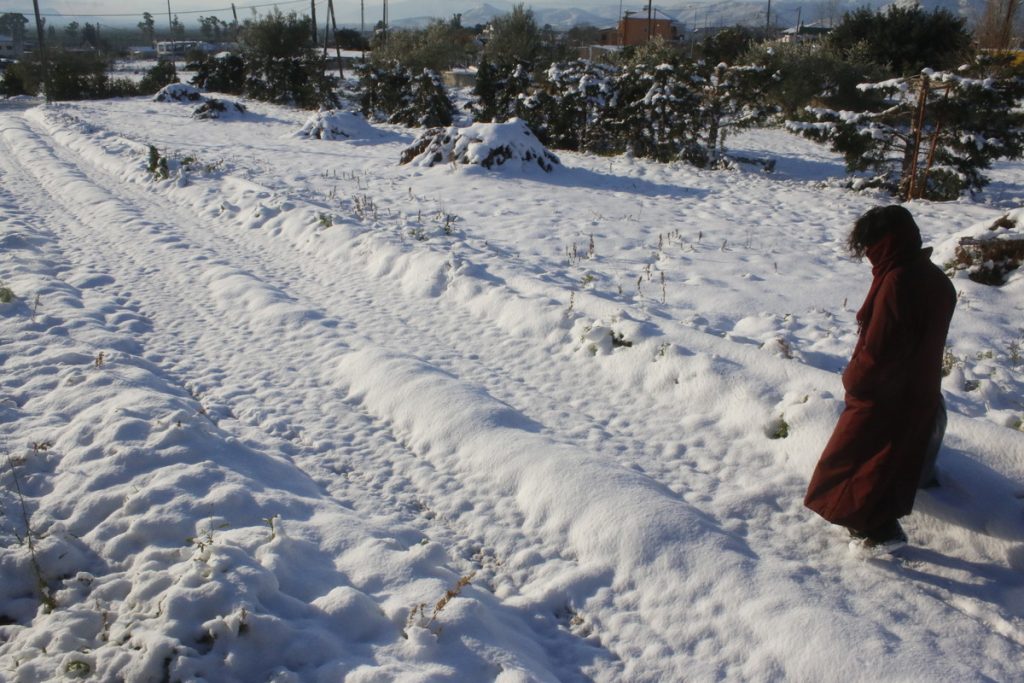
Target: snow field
625, 504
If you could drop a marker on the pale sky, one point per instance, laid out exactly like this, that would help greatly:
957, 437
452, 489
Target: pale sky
348, 11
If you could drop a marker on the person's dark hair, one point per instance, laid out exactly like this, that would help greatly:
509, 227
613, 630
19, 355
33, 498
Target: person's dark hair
875, 224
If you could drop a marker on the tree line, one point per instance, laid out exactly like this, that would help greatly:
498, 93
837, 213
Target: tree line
903, 93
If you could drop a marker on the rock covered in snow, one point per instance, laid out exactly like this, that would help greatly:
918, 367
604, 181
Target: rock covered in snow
481, 144
178, 92
331, 124
989, 251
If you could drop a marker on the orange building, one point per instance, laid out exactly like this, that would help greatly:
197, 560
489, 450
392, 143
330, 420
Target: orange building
636, 30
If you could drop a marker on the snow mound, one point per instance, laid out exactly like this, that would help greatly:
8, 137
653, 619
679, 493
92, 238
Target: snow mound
178, 92
218, 109
481, 144
331, 124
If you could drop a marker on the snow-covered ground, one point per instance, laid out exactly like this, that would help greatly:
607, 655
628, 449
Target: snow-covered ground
301, 413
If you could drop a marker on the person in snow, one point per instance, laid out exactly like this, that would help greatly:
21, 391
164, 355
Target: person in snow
884, 445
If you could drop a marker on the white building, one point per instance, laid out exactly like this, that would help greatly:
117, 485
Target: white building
179, 48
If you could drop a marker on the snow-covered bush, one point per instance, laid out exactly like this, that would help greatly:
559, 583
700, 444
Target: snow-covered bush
393, 93
218, 109
163, 74
654, 113
178, 92
383, 89
927, 136
731, 98
331, 124
223, 72
498, 91
569, 113
482, 144
428, 103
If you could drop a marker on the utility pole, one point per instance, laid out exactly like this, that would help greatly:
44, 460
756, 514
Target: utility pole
312, 16
170, 23
384, 22
234, 13
362, 28
337, 48
650, 20
43, 58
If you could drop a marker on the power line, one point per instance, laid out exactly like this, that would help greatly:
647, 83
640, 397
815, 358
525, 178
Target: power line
191, 11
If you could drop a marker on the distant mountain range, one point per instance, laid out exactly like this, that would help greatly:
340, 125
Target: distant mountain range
563, 15
785, 13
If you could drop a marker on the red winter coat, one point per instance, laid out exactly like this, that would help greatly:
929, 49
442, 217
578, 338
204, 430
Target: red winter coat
868, 474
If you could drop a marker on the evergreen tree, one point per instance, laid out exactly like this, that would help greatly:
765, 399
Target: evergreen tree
927, 136
383, 89
392, 93
804, 74
655, 113
905, 39
439, 46
148, 27
221, 73
13, 24
427, 103
498, 90
281, 63
177, 29
578, 92
731, 97
515, 38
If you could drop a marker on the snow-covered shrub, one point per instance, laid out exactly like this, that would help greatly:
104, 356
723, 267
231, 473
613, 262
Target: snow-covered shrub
161, 75
927, 136
569, 112
731, 98
655, 113
331, 124
223, 72
216, 109
392, 93
383, 89
178, 92
482, 144
428, 103
498, 91
6, 293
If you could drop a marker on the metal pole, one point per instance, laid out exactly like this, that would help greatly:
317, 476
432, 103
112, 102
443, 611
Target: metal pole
650, 19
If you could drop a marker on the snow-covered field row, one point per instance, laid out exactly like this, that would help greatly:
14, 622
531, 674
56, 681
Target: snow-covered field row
301, 413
